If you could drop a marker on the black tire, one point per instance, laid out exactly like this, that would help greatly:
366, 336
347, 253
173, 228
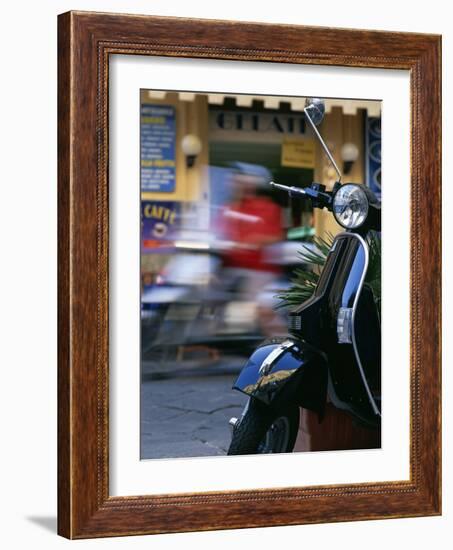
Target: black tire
263, 430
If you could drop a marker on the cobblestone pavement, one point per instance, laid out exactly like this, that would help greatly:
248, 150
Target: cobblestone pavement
187, 416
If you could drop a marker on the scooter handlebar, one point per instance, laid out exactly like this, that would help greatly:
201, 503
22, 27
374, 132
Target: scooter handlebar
320, 198
287, 188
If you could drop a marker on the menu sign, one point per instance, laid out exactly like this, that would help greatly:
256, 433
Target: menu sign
298, 153
157, 148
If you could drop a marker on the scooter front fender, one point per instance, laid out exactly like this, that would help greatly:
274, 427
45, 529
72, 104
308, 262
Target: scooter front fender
286, 372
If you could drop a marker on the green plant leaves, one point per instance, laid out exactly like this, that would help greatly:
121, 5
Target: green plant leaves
305, 279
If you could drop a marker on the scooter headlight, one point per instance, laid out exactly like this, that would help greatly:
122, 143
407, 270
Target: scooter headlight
350, 205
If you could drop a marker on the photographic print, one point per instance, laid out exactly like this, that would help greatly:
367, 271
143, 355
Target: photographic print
260, 274
221, 358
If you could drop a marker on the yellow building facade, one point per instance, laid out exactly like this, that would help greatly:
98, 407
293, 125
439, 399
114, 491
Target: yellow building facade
261, 130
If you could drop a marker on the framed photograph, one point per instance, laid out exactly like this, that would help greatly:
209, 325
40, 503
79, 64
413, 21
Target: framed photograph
249, 275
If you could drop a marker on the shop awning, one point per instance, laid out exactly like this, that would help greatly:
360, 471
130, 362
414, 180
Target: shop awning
349, 106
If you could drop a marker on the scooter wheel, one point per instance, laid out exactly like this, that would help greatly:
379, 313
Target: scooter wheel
263, 430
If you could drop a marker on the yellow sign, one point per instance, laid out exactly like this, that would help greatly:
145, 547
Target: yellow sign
298, 153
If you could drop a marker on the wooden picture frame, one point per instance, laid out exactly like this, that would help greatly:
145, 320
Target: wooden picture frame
85, 41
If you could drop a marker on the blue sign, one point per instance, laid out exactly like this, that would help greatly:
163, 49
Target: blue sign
373, 155
160, 220
157, 148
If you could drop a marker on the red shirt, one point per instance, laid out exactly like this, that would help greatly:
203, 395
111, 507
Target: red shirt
254, 221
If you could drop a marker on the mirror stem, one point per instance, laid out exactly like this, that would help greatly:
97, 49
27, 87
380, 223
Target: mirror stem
321, 141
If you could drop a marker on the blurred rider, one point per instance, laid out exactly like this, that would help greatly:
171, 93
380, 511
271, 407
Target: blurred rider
251, 222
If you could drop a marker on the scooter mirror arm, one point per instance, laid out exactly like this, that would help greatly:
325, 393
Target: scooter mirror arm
322, 142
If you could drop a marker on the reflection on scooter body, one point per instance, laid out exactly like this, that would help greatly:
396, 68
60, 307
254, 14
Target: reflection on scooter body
333, 350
